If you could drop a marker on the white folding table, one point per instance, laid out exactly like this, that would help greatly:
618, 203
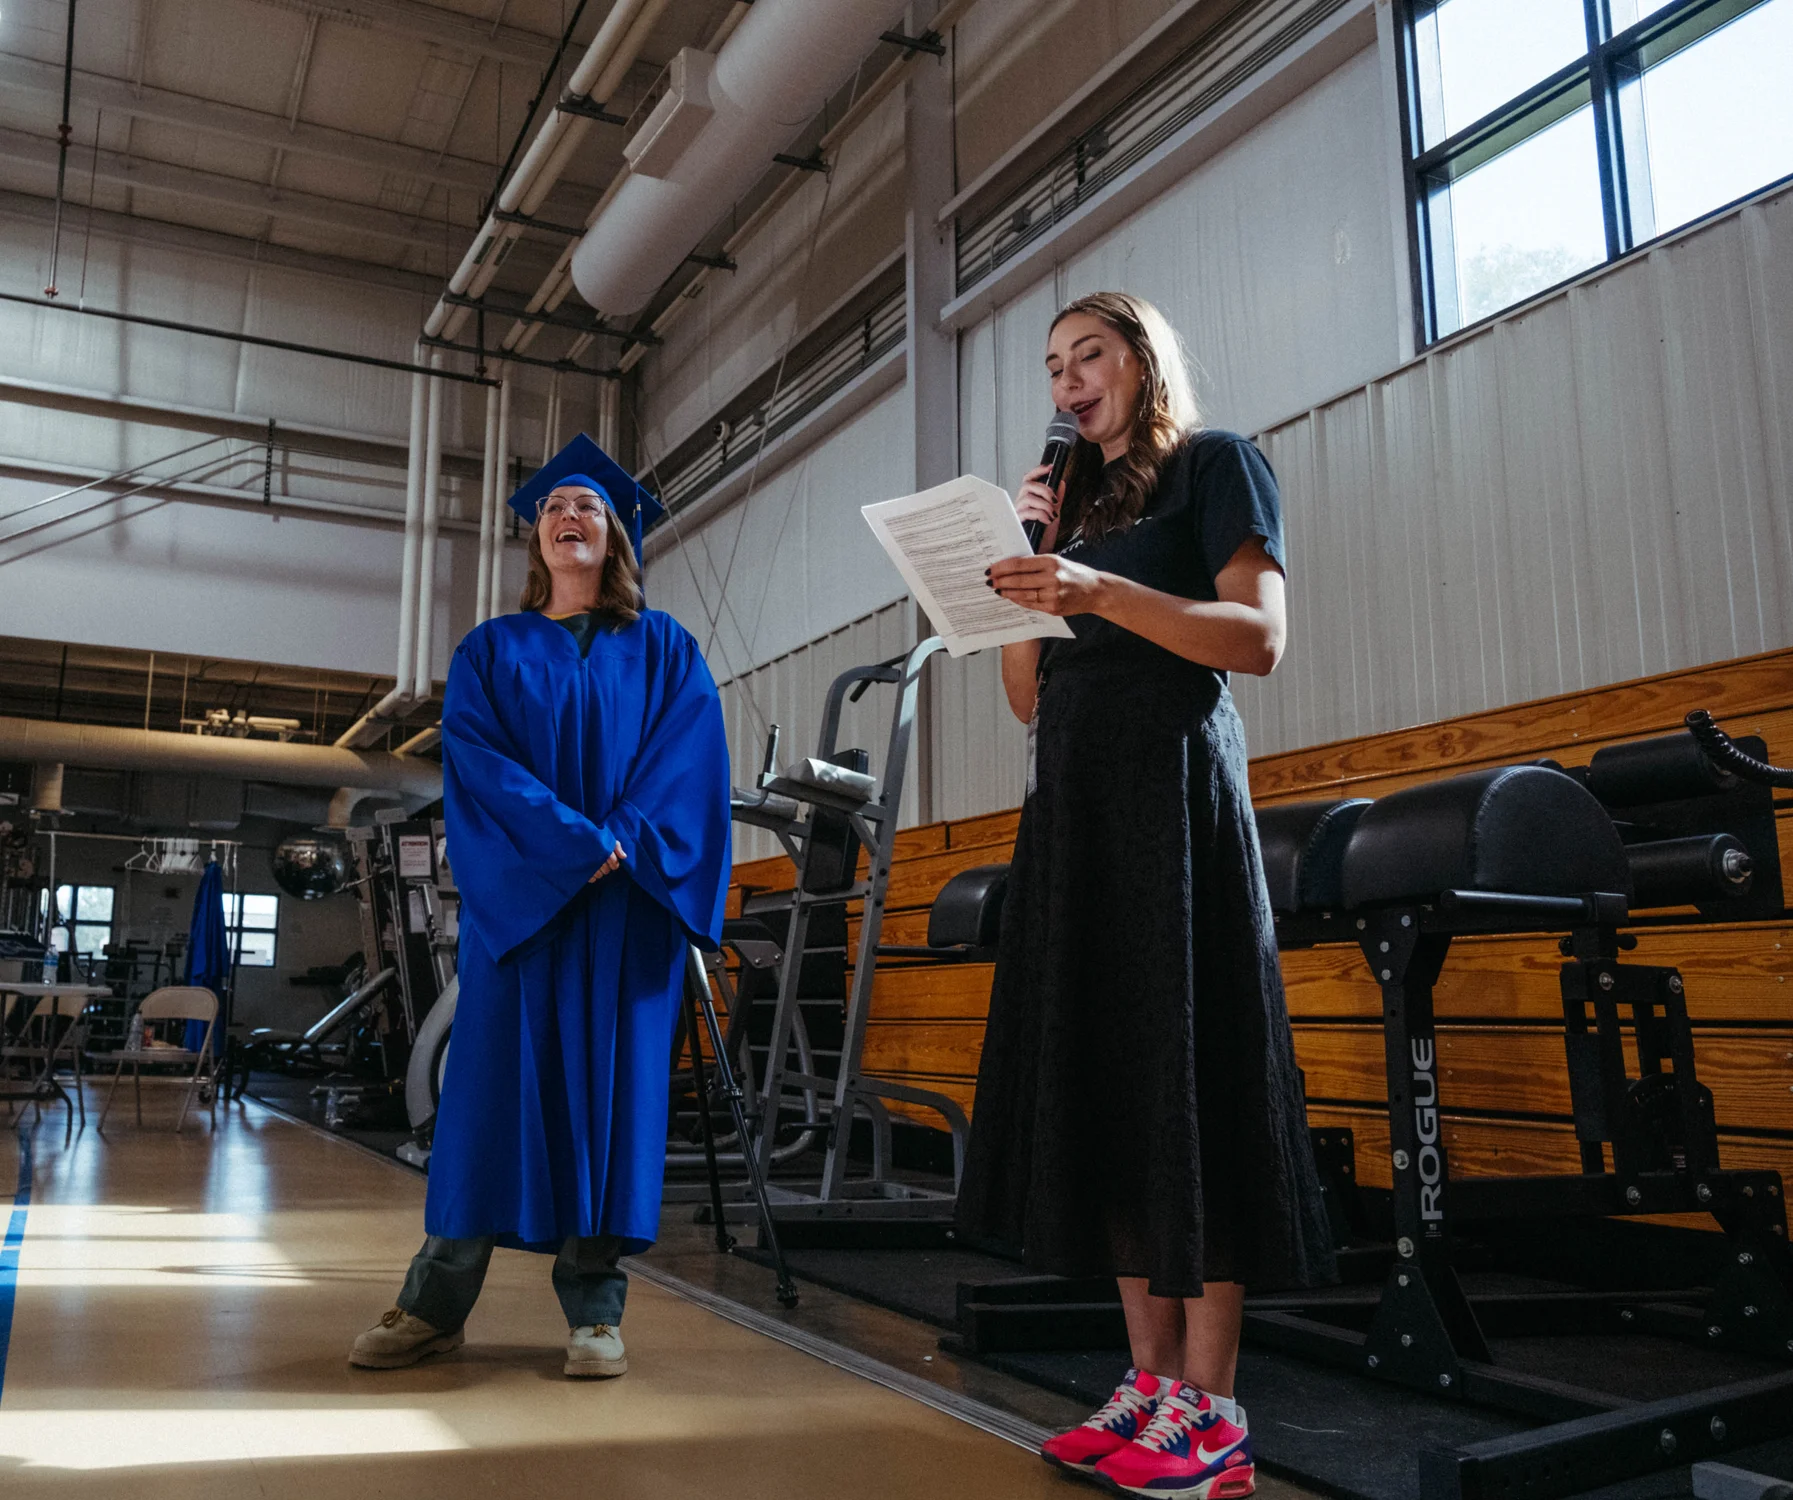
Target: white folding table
50, 1001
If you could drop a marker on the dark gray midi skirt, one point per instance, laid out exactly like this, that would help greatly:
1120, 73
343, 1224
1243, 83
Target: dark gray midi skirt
1138, 1108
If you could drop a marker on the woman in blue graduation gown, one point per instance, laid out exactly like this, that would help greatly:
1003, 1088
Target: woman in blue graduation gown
586, 789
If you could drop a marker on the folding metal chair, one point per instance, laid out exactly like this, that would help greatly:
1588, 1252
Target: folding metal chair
172, 1003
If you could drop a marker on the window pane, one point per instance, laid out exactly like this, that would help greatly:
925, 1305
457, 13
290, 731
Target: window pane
91, 939
93, 903
65, 899
1718, 116
1486, 51
1527, 219
261, 911
256, 950
59, 939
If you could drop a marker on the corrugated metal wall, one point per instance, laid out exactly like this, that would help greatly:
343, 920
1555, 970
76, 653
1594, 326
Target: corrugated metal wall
1275, 260
64, 349
795, 561
200, 579
791, 691
1596, 488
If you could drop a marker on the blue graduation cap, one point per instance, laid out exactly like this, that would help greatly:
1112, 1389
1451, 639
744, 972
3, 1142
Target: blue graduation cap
583, 462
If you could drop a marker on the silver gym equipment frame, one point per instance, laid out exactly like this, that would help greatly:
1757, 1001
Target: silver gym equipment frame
790, 804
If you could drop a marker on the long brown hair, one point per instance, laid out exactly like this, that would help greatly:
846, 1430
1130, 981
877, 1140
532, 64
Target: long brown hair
620, 599
1100, 502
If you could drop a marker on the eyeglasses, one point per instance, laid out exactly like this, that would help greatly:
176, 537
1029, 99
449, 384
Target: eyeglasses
587, 508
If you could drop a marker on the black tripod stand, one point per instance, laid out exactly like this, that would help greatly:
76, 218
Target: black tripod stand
697, 994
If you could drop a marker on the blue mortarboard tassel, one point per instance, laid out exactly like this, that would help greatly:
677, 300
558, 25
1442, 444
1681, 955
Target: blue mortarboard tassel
583, 462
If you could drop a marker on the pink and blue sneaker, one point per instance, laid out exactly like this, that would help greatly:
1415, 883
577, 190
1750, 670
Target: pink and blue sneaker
1119, 1421
1188, 1451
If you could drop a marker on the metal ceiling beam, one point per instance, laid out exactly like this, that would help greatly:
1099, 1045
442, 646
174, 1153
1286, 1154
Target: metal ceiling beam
136, 411
119, 96
432, 23
229, 192
30, 209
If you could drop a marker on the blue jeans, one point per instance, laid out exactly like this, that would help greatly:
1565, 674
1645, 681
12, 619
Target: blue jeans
446, 1275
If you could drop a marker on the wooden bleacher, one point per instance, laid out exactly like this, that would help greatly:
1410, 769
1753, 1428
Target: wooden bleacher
1499, 1012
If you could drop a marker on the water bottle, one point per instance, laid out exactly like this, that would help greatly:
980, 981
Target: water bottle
134, 1037
50, 966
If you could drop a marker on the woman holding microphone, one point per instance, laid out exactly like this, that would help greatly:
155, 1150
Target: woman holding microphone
1139, 1113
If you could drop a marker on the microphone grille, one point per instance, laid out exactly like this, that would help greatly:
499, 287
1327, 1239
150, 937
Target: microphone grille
1062, 428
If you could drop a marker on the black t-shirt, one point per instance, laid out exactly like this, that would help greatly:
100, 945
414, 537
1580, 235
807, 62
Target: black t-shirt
583, 627
1215, 493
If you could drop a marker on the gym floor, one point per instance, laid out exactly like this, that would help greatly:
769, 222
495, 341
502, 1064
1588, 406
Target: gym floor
175, 1312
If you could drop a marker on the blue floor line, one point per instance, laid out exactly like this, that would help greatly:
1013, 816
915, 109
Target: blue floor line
9, 1249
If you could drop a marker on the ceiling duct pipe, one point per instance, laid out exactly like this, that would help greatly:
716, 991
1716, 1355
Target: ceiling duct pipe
45, 742
600, 72
770, 79
46, 787
558, 282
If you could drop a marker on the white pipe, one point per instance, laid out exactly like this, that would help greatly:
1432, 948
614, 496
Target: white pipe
488, 488
551, 419
609, 411
771, 77
500, 509
421, 389
423, 679
557, 283
424, 739
396, 702
47, 742
480, 263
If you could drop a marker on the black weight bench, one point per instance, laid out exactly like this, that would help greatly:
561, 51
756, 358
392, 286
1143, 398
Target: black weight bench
1527, 849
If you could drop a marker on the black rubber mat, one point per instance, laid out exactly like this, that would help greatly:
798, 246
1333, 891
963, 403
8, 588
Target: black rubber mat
1322, 1427
920, 1284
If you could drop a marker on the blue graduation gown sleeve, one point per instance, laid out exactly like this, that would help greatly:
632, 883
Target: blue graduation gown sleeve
535, 853
673, 817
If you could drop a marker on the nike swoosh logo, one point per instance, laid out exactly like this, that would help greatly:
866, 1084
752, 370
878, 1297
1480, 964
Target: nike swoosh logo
1205, 1455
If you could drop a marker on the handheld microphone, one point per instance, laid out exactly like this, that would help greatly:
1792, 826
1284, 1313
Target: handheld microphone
1061, 440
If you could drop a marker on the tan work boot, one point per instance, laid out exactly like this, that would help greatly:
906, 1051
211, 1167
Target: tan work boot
595, 1350
399, 1339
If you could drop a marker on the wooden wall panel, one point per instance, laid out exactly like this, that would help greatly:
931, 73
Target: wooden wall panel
1511, 1148
1521, 1070
1734, 972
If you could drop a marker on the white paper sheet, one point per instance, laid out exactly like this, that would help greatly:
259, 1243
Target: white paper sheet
941, 540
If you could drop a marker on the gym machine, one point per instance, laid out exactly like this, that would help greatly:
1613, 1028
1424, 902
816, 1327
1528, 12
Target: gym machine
826, 810
409, 911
